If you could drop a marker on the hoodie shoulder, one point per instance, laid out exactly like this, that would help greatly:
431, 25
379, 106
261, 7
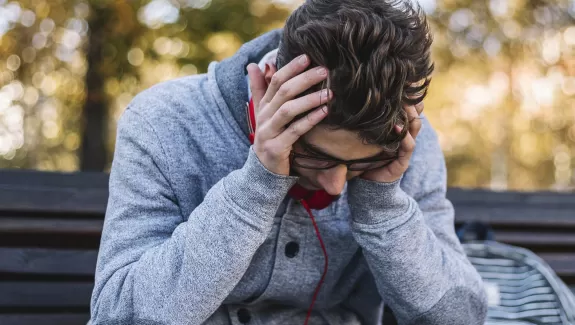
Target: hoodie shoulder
168, 97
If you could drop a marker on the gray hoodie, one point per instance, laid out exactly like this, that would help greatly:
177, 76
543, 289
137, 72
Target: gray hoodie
197, 231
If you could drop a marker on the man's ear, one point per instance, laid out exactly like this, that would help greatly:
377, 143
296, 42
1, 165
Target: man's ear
269, 72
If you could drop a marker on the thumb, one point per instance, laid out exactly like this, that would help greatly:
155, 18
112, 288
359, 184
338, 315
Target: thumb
258, 85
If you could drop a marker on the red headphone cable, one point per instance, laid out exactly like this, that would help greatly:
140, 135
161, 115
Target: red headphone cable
317, 288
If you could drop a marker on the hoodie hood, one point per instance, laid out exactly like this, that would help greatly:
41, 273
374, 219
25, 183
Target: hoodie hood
230, 74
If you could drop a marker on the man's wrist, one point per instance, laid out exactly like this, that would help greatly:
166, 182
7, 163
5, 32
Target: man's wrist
255, 189
374, 202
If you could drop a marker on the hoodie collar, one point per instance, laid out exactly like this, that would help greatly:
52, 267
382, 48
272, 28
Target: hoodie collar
230, 74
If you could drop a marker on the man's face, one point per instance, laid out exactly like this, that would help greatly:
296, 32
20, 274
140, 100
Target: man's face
338, 144
325, 143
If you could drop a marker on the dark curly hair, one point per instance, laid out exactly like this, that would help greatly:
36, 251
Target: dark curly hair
378, 56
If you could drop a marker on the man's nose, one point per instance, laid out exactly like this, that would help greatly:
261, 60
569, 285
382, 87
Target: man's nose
333, 180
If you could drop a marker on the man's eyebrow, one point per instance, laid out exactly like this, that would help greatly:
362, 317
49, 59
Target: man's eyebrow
319, 151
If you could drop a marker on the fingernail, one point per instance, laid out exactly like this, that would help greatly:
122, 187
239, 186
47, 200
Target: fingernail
321, 71
398, 128
303, 59
324, 93
324, 109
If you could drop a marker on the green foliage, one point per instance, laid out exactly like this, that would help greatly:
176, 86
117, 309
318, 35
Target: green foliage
501, 98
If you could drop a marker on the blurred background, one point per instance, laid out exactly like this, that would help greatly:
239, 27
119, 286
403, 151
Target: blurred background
501, 97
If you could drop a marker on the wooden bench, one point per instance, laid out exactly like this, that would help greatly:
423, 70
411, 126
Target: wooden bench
50, 225
543, 222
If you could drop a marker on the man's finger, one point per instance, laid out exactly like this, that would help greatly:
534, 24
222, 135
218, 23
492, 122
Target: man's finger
414, 120
405, 151
297, 85
399, 165
415, 127
258, 84
300, 127
419, 108
290, 70
285, 114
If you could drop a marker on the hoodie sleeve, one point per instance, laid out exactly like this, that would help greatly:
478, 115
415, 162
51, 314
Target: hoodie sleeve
155, 268
409, 242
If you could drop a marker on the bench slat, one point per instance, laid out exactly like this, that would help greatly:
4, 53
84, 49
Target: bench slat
527, 238
53, 200
511, 199
44, 319
562, 263
518, 217
48, 261
52, 226
49, 192
45, 294
38, 179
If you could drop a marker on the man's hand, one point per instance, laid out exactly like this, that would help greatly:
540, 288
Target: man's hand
276, 107
395, 170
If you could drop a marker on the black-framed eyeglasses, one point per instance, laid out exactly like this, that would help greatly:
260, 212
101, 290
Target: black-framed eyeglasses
311, 162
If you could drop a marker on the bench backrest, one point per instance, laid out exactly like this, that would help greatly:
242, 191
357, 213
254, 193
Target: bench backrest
50, 225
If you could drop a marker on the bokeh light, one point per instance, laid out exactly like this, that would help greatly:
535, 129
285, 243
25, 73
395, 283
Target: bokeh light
501, 99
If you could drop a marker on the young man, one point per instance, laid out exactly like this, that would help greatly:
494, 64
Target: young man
336, 206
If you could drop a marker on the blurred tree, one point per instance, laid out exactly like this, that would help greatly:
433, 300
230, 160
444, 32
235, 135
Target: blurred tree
41, 83
111, 24
68, 68
501, 67
501, 99
179, 38
93, 149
